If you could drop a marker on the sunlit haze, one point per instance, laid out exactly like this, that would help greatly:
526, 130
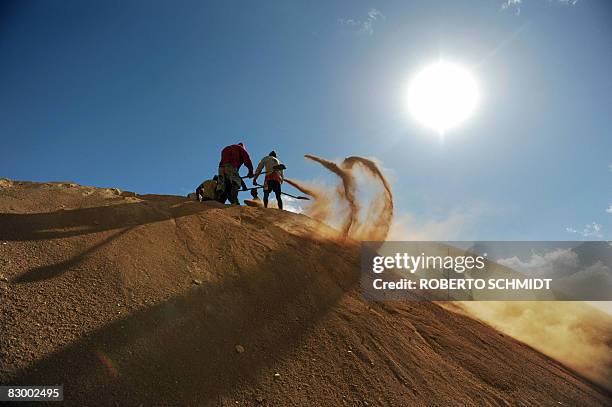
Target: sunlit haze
442, 96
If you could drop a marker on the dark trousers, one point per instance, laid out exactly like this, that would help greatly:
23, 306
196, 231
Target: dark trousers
231, 182
233, 192
273, 186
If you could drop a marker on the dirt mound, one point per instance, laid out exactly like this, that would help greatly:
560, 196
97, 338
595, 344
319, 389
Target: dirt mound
157, 300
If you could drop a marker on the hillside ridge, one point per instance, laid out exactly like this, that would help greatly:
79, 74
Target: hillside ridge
130, 299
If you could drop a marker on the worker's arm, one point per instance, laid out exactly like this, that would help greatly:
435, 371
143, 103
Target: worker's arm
247, 161
258, 171
280, 172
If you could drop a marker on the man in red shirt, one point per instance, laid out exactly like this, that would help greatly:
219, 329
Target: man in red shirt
232, 158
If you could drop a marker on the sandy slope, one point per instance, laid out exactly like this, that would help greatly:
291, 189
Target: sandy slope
142, 300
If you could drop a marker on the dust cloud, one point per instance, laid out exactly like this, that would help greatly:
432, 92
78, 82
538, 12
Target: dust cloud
347, 193
321, 208
574, 333
379, 215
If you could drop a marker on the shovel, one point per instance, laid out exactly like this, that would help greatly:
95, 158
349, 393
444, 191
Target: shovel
305, 198
296, 196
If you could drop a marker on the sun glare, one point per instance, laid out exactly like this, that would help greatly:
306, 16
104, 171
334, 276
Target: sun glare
442, 95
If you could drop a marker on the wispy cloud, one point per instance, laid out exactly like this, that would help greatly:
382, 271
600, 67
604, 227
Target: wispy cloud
556, 263
570, 275
292, 205
366, 25
516, 4
513, 4
592, 229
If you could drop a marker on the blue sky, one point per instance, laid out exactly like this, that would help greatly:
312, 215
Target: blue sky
142, 95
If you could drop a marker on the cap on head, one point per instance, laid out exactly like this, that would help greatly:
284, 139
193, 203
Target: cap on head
272, 153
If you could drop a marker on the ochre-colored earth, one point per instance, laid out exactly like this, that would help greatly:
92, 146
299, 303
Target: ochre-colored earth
157, 300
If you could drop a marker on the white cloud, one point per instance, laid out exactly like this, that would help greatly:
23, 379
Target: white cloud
593, 282
593, 229
367, 25
292, 205
562, 265
516, 5
590, 230
556, 263
289, 204
374, 14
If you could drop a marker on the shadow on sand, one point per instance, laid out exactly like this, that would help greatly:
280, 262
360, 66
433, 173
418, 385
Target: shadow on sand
54, 270
76, 222
182, 352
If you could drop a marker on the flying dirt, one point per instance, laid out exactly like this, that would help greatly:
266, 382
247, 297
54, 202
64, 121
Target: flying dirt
573, 333
347, 192
321, 208
379, 215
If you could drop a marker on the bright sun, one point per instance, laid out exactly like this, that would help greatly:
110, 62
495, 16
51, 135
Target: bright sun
442, 95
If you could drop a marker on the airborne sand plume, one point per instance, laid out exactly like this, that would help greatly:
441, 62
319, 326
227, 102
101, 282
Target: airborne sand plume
321, 208
380, 211
347, 193
574, 333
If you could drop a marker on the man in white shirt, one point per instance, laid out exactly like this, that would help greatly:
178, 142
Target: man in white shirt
274, 177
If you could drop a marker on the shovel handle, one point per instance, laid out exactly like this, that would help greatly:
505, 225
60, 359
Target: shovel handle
296, 197
280, 167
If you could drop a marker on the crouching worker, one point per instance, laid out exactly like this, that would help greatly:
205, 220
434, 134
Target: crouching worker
232, 158
274, 177
207, 191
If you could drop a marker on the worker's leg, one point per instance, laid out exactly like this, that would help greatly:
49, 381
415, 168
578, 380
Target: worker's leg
222, 191
222, 196
277, 191
234, 193
266, 193
234, 183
